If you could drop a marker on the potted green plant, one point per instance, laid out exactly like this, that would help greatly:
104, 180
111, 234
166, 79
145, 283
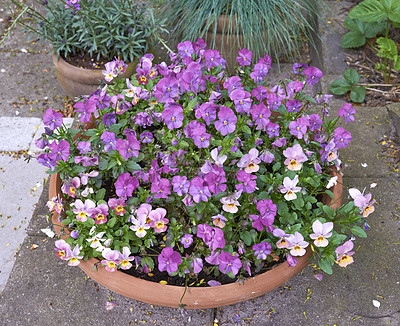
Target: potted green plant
186, 176
269, 26
86, 34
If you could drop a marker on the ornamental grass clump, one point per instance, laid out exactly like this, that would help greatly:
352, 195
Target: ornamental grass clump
186, 170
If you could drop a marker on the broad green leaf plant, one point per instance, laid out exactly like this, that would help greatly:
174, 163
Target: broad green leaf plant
381, 11
349, 84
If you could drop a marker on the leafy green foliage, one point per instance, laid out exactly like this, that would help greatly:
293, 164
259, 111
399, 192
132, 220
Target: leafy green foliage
349, 84
375, 10
106, 28
273, 27
359, 32
388, 50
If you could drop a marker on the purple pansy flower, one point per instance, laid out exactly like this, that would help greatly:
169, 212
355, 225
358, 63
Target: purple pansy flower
199, 190
347, 111
125, 185
229, 263
248, 184
52, 119
262, 250
180, 185
242, 100
244, 57
298, 128
313, 75
187, 240
342, 137
173, 116
260, 114
227, 121
59, 151
169, 260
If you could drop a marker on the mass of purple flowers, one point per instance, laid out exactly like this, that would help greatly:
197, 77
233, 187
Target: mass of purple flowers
191, 170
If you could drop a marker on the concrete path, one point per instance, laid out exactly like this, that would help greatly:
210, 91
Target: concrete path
42, 290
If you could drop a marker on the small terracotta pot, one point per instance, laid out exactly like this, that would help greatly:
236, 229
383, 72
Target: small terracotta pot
80, 81
195, 297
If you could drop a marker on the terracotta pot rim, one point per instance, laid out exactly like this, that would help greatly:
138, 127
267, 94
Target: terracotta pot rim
83, 75
195, 297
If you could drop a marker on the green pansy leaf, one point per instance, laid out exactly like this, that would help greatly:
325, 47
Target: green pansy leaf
111, 222
192, 103
352, 76
133, 166
357, 94
100, 194
356, 230
353, 39
325, 265
339, 87
246, 237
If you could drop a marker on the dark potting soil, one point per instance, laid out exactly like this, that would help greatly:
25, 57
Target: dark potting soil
84, 60
200, 279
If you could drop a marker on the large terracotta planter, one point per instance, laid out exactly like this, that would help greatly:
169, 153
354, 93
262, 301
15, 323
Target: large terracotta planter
229, 46
195, 297
80, 81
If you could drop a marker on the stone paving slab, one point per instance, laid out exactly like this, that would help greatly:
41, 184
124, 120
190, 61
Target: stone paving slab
20, 187
28, 85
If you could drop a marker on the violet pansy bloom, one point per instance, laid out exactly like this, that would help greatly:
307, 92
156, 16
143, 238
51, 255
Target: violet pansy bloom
227, 121
260, 114
199, 190
248, 184
82, 209
157, 220
262, 250
250, 161
244, 57
60, 151
180, 185
313, 75
298, 128
112, 259
322, 231
169, 260
125, 185
297, 244
229, 263
111, 71
341, 137
173, 116
294, 157
52, 119
290, 188
219, 220
197, 265
187, 240
347, 111
344, 255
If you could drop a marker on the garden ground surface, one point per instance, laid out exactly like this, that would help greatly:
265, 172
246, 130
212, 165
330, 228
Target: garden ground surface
39, 289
